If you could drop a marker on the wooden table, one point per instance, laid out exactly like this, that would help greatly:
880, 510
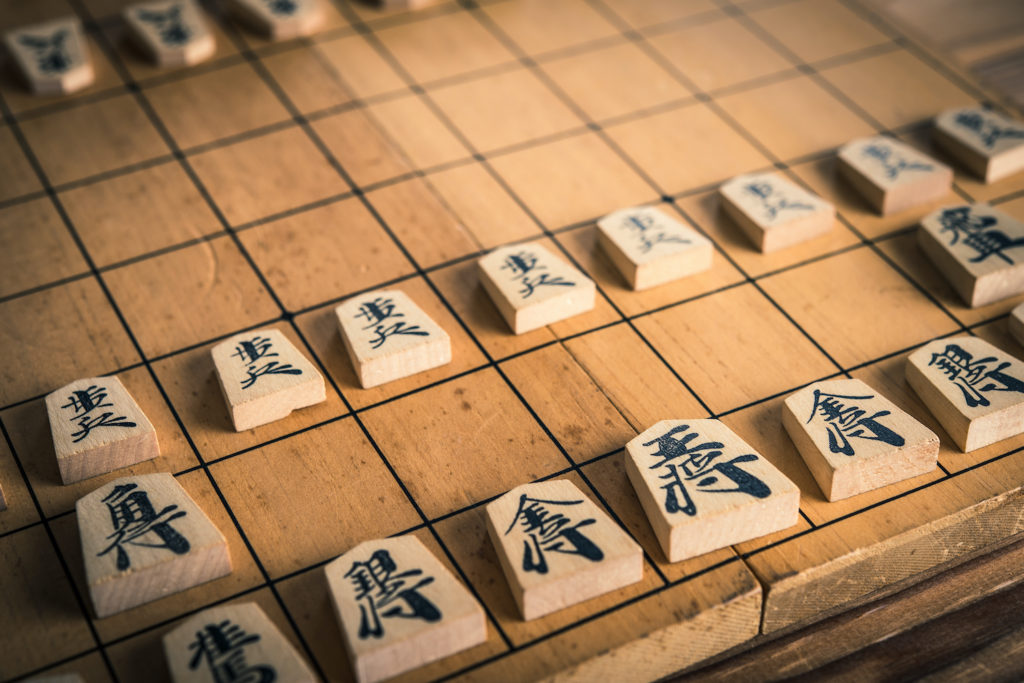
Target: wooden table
158, 212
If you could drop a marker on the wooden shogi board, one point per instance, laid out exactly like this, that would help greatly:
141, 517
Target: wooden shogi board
157, 212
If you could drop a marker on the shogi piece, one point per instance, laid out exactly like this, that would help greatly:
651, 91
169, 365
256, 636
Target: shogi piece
533, 288
1016, 323
264, 378
854, 440
704, 488
650, 248
400, 608
973, 389
172, 33
990, 145
280, 19
144, 538
232, 643
98, 427
53, 57
893, 176
389, 337
774, 212
979, 249
557, 548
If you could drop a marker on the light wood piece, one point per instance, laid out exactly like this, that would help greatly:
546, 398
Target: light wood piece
263, 378
853, 439
98, 427
990, 145
979, 249
144, 538
557, 548
893, 176
973, 389
279, 19
400, 608
774, 212
532, 288
1016, 323
388, 337
649, 248
232, 643
704, 488
53, 56
171, 32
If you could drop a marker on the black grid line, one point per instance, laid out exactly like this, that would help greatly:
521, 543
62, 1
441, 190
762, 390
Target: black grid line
551, 234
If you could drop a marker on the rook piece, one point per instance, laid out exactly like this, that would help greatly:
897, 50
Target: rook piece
52, 56
172, 33
280, 19
558, 548
232, 643
264, 378
1016, 323
978, 249
774, 212
144, 538
893, 176
400, 608
532, 288
855, 440
989, 145
650, 248
704, 488
973, 389
389, 337
98, 427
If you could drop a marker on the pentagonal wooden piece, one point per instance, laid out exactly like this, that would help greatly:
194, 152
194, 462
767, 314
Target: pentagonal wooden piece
854, 440
400, 608
774, 212
893, 176
649, 248
232, 643
532, 288
98, 427
979, 249
990, 145
144, 538
557, 548
264, 378
279, 19
388, 337
53, 56
973, 389
704, 488
171, 32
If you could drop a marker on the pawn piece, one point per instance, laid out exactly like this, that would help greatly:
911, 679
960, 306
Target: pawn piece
557, 548
280, 19
389, 337
144, 538
979, 249
400, 608
774, 212
650, 248
532, 288
98, 427
172, 32
854, 440
232, 643
1016, 323
990, 145
52, 56
973, 389
893, 176
264, 378
704, 488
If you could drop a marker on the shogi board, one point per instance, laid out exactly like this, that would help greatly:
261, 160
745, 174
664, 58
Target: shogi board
161, 211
